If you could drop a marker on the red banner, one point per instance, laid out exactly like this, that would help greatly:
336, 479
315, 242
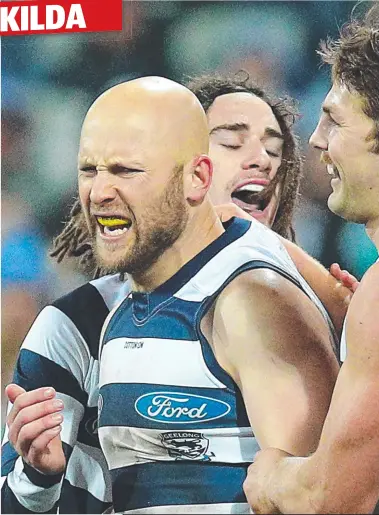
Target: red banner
20, 17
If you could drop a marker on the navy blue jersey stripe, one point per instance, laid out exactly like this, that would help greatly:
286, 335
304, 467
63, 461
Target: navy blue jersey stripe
177, 483
8, 458
177, 311
155, 406
78, 500
39, 479
35, 371
236, 228
88, 426
86, 308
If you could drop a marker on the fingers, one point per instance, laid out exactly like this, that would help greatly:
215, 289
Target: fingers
13, 391
345, 277
335, 270
33, 420
39, 444
22, 399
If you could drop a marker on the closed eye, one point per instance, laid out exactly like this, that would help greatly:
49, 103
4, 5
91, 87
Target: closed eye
272, 154
87, 169
119, 169
233, 147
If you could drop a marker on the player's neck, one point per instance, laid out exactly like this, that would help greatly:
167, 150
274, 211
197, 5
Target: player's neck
372, 229
201, 230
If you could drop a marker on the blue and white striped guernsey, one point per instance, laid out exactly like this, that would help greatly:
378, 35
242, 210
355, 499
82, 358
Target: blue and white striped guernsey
172, 422
61, 350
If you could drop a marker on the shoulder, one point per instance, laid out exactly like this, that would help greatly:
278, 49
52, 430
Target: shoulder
72, 324
86, 308
263, 317
264, 298
99, 291
265, 284
362, 321
369, 286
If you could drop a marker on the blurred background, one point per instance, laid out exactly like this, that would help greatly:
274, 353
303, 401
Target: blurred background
48, 83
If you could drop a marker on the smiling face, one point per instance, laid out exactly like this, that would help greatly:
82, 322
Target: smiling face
246, 149
344, 135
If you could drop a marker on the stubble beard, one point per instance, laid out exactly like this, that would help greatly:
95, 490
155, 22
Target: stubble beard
157, 230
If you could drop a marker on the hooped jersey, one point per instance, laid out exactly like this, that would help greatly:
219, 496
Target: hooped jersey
172, 423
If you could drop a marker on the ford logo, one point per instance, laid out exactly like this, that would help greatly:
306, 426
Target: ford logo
179, 408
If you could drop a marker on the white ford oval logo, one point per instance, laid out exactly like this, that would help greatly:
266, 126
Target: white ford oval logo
180, 408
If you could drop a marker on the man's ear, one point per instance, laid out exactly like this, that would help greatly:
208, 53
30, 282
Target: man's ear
200, 178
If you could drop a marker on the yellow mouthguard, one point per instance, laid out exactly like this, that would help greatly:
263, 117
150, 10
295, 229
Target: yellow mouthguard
111, 222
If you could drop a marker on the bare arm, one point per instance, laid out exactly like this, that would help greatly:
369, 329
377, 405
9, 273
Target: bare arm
334, 295
275, 344
342, 476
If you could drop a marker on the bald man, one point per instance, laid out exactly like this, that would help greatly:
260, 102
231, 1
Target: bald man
218, 345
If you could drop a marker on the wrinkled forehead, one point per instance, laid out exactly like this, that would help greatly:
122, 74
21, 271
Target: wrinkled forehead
126, 138
243, 108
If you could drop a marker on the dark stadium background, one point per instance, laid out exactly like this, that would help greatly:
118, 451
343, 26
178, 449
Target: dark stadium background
48, 82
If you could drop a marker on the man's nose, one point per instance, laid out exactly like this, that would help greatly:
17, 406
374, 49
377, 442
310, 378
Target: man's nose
257, 158
317, 139
103, 188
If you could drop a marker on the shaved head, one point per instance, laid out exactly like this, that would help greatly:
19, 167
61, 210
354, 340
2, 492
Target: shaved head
143, 172
164, 113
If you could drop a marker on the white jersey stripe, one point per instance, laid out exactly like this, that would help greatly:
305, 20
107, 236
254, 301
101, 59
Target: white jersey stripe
34, 498
150, 350
92, 460
145, 445
195, 509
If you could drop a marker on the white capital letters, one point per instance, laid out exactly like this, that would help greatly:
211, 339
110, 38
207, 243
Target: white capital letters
24, 17
34, 25
7, 19
60, 17
76, 17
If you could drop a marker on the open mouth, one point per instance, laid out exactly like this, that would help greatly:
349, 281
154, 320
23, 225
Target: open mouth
113, 226
249, 197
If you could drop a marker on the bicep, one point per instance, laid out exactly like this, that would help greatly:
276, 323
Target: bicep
282, 360
349, 445
333, 295
347, 459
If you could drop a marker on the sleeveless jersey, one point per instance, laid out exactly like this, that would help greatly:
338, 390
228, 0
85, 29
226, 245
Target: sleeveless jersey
172, 422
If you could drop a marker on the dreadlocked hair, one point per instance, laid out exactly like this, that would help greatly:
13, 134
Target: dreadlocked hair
75, 241
208, 87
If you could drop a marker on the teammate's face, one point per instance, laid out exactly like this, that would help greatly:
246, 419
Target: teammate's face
343, 135
246, 149
131, 194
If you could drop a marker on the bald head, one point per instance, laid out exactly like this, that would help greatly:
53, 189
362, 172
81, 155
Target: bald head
143, 174
157, 112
